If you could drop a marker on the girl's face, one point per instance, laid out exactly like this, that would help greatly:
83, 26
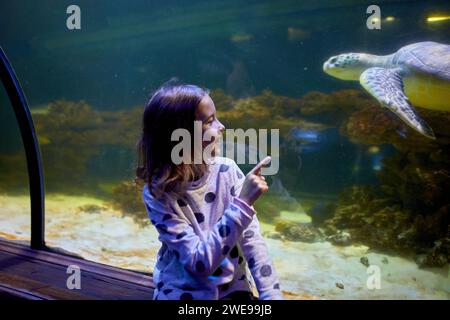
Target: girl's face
211, 126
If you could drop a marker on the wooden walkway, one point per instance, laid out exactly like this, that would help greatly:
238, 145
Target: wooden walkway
42, 275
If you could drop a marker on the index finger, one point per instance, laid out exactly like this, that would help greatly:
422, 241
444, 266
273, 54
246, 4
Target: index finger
261, 164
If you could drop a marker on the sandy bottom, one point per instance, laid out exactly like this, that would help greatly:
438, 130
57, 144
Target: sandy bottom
306, 270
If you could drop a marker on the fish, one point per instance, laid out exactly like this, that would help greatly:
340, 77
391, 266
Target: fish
373, 149
308, 136
309, 141
295, 34
241, 37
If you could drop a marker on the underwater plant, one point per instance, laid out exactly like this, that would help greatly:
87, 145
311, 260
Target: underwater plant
335, 107
127, 198
372, 218
374, 126
13, 173
72, 133
407, 212
294, 231
267, 110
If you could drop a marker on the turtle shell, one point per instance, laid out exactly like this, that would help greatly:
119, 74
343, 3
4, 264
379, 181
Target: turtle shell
428, 57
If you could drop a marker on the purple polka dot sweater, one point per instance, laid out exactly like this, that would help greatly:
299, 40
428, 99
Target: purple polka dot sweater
209, 237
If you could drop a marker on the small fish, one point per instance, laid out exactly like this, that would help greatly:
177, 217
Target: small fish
365, 261
340, 285
309, 140
295, 34
402, 131
310, 136
242, 37
373, 149
318, 207
377, 164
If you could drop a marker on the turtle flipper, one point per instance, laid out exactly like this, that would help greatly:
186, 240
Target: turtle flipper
386, 85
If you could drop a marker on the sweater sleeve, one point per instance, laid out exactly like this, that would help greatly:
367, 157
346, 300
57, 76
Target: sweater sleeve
255, 250
256, 253
197, 256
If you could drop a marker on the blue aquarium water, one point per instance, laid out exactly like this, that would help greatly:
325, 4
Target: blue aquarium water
356, 182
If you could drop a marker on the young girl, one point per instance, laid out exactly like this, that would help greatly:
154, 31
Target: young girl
204, 211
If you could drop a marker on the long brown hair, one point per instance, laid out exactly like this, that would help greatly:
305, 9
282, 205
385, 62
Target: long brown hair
171, 107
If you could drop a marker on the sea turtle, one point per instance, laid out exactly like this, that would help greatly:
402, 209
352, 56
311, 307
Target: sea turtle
418, 73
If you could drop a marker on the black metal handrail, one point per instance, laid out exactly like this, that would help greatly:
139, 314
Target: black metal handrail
33, 155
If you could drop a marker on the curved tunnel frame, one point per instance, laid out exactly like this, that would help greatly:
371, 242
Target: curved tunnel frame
33, 155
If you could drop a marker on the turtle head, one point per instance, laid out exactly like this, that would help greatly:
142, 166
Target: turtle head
346, 66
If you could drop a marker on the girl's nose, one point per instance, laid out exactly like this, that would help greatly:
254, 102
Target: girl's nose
221, 126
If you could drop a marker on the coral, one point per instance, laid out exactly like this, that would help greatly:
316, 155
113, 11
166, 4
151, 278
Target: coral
266, 111
374, 125
409, 210
365, 217
316, 102
364, 261
222, 101
340, 238
420, 180
333, 108
273, 235
91, 208
73, 133
375, 219
13, 173
127, 197
438, 256
295, 231
281, 105
346, 101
